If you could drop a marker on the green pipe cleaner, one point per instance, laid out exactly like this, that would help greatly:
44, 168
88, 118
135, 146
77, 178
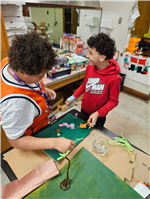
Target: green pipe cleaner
123, 142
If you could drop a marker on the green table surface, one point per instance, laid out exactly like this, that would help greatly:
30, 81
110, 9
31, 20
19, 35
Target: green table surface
73, 134
90, 179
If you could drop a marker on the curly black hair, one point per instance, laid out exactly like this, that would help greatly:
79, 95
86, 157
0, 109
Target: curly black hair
103, 43
31, 53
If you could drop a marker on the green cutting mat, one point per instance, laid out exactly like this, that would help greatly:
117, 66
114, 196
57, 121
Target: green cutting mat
73, 134
90, 179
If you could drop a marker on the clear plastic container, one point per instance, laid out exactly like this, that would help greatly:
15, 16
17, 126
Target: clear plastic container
101, 146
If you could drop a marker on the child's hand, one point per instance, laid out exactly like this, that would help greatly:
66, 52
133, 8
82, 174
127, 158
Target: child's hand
50, 93
93, 118
63, 144
53, 118
68, 101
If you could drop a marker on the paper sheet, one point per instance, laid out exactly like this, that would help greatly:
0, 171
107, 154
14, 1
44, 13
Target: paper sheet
142, 190
132, 131
117, 159
22, 162
127, 41
90, 179
20, 188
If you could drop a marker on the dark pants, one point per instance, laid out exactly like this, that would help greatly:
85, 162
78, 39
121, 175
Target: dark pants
100, 120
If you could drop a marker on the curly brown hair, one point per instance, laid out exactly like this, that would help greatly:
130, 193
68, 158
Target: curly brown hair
31, 53
104, 44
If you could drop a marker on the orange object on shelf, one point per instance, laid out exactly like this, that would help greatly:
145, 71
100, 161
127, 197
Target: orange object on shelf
133, 42
131, 50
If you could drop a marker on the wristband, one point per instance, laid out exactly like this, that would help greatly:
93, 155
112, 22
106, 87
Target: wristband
72, 98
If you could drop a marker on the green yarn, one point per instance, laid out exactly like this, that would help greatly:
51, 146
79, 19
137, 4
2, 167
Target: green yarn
63, 155
123, 142
77, 139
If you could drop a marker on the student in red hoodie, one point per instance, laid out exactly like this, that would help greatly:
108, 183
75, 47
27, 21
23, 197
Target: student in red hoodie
101, 85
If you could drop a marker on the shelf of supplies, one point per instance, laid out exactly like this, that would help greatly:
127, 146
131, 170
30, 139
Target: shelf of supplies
64, 80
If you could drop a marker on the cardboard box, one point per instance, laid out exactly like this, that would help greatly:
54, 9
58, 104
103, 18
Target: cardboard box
42, 28
64, 107
56, 110
80, 97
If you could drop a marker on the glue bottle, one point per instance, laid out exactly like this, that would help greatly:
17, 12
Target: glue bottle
53, 70
58, 67
67, 66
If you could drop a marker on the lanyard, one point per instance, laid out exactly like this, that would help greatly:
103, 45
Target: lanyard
42, 93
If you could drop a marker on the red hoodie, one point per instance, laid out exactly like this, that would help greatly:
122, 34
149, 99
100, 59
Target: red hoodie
101, 89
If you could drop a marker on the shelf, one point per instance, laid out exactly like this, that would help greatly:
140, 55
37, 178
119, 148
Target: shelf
60, 82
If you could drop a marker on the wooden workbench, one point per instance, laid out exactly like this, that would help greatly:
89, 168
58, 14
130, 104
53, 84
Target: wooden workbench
64, 80
141, 169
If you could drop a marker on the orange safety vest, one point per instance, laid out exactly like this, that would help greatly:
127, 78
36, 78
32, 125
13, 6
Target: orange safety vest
41, 120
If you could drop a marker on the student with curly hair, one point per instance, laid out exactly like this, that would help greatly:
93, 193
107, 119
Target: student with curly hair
101, 85
24, 107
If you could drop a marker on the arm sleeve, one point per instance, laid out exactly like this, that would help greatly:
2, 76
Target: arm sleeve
72, 98
113, 101
17, 115
81, 89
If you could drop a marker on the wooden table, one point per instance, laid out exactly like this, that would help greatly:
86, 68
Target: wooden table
142, 162
64, 80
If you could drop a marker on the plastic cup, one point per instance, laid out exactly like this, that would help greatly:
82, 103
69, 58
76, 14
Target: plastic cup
101, 146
